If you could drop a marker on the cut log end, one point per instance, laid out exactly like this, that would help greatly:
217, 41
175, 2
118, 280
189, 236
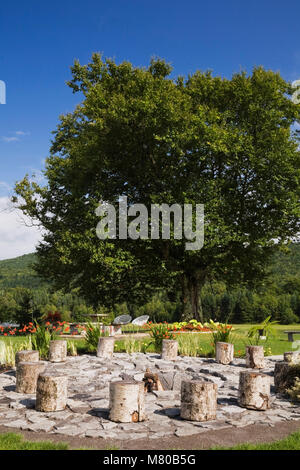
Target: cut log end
126, 402
254, 390
224, 352
58, 351
255, 357
198, 400
169, 350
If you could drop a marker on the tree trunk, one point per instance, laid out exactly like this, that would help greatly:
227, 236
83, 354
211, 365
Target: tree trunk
169, 349
106, 346
51, 393
281, 371
254, 390
27, 356
126, 402
191, 288
58, 350
198, 400
224, 352
27, 375
255, 357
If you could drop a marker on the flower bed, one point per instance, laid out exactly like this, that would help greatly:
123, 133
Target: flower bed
58, 328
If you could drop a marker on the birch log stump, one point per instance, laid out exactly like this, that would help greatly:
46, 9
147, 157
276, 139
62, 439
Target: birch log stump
58, 351
255, 357
27, 375
224, 352
198, 400
106, 346
51, 393
280, 376
126, 402
292, 357
169, 349
27, 356
254, 390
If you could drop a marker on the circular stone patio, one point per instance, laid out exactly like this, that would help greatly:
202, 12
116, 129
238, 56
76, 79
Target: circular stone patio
86, 414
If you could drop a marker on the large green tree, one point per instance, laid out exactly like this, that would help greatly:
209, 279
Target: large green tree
227, 144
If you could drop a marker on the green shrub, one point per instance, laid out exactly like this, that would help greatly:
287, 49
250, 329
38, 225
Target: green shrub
71, 348
294, 391
92, 334
41, 340
8, 350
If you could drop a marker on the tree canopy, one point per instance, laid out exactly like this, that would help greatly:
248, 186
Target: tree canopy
226, 143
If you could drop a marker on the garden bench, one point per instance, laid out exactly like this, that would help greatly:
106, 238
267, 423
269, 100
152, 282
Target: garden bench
291, 334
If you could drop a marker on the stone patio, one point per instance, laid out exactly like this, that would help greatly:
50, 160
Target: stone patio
86, 414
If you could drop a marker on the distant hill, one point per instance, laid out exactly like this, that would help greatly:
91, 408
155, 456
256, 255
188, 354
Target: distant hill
18, 272
285, 265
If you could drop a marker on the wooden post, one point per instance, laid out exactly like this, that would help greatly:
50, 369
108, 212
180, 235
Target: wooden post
126, 402
51, 394
280, 376
224, 352
26, 356
27, 375
292, 357
255, 357
169, 349
198, 400
58, 351
106, 346
254, 390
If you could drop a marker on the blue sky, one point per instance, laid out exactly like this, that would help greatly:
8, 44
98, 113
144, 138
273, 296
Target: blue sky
40, 40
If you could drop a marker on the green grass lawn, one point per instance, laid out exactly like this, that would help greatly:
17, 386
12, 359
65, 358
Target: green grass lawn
274, 346
12, 441
291, 442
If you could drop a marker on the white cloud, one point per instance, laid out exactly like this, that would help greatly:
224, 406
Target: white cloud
22, 133
9, 139
16, 238
4, 187
16, 136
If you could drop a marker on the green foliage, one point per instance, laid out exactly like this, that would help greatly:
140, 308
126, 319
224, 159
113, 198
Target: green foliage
13, 441
289, 383
92, 335
19, 272
159, 332
71, 348
294, 391
221, 332
159, 309
9, 348
41, 340
189, 344
265, 328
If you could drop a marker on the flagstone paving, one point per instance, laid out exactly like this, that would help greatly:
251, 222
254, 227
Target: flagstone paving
86, 414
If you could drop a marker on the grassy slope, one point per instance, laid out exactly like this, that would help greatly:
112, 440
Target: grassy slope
18, 272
